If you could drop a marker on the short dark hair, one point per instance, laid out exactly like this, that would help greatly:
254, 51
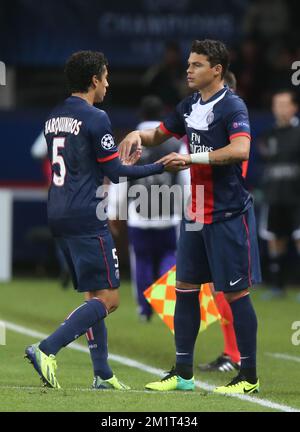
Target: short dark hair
215, 51
151, 108
230, 80
81, 67
293, 95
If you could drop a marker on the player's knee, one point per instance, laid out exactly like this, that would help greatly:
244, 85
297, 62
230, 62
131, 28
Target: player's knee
233, 296
113, 305
110, 298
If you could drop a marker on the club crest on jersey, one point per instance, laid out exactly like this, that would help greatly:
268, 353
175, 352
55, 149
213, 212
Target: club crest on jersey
210, 118
107, 142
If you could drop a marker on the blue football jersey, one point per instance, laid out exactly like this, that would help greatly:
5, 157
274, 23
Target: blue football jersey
211, 125
79, 139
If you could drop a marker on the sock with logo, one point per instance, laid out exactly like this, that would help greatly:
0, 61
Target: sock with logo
245, 325
97, 342
77, 323
186, 326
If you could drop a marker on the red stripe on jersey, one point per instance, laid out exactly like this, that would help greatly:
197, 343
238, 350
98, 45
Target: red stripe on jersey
108, 158
167, 132
240, 134
244, 168
202, 175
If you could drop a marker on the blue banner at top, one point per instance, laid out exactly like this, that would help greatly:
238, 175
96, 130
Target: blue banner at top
130, 33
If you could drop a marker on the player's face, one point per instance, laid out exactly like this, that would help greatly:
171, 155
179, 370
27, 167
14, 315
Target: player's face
200, 73
283, 107
101, 86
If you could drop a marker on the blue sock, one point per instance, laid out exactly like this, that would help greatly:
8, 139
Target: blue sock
82, 318
186, 326
97, 342
245, 326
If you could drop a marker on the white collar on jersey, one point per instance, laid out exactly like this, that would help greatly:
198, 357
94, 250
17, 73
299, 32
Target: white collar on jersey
202, 116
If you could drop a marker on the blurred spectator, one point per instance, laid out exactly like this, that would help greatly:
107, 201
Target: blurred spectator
280, 220
168, 78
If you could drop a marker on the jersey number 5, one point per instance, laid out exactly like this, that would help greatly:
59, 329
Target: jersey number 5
58, 180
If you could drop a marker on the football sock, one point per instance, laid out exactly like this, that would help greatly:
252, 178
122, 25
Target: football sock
97, 342
230, 344
77, 323
245, 325
186, 326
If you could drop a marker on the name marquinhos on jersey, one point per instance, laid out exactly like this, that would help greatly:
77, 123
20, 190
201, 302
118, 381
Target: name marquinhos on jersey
63, 124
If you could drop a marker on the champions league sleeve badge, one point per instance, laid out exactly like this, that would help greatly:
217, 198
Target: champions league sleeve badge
107, 142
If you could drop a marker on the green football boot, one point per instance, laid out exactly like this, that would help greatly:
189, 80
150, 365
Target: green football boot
172, 381
238, 386
44, 365
111, 383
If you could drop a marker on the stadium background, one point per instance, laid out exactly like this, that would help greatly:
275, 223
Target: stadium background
135, 36
36, 37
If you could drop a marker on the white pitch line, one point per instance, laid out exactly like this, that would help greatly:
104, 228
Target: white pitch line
282, 356
152, 370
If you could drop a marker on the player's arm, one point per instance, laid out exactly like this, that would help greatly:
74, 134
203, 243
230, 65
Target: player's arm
136, 139
236, 121
235, 152
173, 125
115, 171
107, 154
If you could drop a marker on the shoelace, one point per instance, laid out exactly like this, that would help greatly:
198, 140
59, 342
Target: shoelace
170, 374
235, 381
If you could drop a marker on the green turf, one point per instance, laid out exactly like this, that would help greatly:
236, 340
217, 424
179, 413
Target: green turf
42, 305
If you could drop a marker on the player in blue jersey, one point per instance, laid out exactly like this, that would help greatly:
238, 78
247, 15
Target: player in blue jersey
82, 151
223, 247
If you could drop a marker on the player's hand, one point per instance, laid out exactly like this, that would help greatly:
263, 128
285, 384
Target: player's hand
131, 141
175, 161
133, 158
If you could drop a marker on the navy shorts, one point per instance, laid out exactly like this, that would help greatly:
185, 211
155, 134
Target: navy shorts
93, 261
225, 253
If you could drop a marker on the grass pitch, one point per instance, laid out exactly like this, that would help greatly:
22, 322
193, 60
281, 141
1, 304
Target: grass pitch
41, 305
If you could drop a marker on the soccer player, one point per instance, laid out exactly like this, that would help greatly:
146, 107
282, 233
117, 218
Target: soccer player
82, 151
225, 250
229, 359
